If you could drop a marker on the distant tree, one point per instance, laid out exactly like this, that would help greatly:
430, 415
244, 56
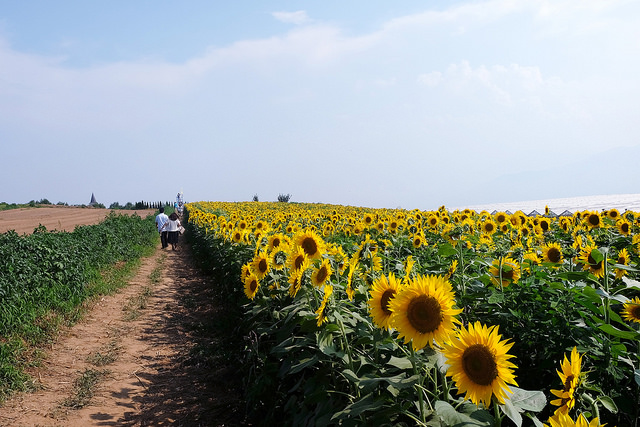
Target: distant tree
43, 202
115, 205
32, 203
255, 198
284, 197
99, 205
129, 205
62, 204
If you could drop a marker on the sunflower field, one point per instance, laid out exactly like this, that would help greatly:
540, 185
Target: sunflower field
357, 316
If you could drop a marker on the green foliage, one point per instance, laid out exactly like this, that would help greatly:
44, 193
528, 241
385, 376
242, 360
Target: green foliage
51, 272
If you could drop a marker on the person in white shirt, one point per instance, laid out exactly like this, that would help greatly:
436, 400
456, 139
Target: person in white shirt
173, 228
161, 220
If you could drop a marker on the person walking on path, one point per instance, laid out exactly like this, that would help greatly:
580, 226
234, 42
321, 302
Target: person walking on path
173, 228
161, 220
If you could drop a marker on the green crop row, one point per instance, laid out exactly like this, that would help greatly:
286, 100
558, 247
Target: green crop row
47, 275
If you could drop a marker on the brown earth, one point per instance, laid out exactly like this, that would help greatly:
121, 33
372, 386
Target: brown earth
147, 348
60, 218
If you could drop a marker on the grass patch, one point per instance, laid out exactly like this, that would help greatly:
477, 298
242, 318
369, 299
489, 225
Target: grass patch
106, 355
84, 388
136, 304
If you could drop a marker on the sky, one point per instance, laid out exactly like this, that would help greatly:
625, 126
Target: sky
372, 103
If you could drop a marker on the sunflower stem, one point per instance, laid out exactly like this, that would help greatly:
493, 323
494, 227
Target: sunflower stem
416, 371
497, 421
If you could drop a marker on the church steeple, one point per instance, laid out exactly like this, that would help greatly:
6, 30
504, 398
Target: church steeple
93, 200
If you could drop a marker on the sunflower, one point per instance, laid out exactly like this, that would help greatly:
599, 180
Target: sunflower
251, 285
588, 256
423, 311
624, 227
552, 252
570, 377
479, 363
631, 310
417, 240
593, 220
277, 242
623, 259
529, 259
564, 420
489, 227
297, 259
321, 274
544, 224
452, 269
295, 280
261, 265
312, 244
278, 259
237, 236
322, 310
408, 265
613, 214
501, 217
506, 273
382, 292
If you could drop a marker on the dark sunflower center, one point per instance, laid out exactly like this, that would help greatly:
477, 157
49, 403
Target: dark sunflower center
425, 314
276, 242
479, 364
554, 255
387, 296
310, 246
298, 262
567, 383
262, 266
624, 228
544, 225
635, 311
416, 241
322, 274
253, 286
594, 220
507, 274
488, 227
592, 262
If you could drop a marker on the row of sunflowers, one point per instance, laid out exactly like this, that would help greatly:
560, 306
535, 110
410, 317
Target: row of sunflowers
360, 316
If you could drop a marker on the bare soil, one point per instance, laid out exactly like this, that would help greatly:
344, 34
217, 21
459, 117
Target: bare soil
60, 218
155, 351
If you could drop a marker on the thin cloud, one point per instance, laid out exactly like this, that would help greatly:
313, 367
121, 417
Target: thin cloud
298, 18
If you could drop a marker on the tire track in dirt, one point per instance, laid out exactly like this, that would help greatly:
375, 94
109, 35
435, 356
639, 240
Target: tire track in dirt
151, 328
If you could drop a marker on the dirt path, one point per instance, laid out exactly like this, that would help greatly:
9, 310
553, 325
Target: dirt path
61, 218
148, 351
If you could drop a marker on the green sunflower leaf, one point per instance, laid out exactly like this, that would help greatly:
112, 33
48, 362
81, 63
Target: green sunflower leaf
528, 400
612, 330
451, 417
608, 403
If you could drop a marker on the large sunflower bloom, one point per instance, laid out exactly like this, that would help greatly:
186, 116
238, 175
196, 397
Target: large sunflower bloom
479, 364
261, 265
321, 274
311, 243
251, 285
593, 220
297, 259
552, 252
631, 311
382, 292
570, 377
423, 311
